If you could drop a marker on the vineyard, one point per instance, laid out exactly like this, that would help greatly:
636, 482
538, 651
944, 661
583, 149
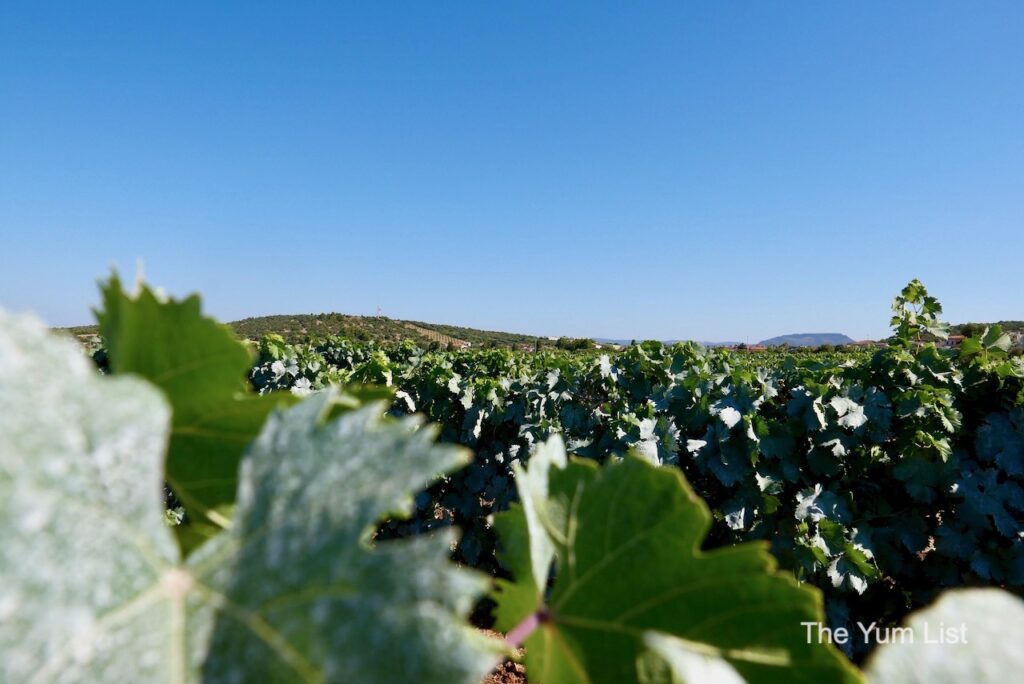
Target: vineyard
184, 506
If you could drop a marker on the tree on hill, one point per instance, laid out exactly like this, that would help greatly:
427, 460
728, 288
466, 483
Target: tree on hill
574, 343
971, 329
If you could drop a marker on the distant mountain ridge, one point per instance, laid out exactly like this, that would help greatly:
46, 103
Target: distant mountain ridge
807, 340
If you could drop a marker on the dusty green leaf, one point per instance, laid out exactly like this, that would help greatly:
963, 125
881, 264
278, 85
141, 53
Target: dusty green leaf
968, 635
92, 587
85, 550
300, 561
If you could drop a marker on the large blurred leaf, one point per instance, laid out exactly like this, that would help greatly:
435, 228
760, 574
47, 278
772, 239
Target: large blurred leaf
202, 369
969, 635
92, 588
627, 542
85, 548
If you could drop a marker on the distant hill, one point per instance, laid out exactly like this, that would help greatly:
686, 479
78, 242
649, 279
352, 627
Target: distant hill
807, 340
299, 327
475, 336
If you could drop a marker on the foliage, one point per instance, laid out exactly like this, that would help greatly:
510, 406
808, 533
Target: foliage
574, 343
201, 369
95, 590
630, 571
879, 476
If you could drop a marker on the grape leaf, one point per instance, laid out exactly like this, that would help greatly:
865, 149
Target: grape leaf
628, 562
987, 651
85, 548
1000, 439
201, 368
302, 565
687, 662
519, 597
92, 585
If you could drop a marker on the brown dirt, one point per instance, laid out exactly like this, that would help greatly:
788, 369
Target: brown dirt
506, 673
509, 671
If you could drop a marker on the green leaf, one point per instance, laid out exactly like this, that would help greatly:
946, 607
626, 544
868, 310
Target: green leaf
970, 347
201, 368
85, 547
995, 338
327, 602
627, 542
851, 414
968, 635
92, 585
695, 663
533, 491
519, 597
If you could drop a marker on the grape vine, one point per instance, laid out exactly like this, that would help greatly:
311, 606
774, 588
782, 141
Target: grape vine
197, 511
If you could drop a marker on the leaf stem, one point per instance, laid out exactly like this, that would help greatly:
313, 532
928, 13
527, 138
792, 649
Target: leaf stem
521, 632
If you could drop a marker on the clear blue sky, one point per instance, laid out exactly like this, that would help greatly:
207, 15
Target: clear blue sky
714, 170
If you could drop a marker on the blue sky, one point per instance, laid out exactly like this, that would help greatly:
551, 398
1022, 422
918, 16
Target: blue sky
710, 170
